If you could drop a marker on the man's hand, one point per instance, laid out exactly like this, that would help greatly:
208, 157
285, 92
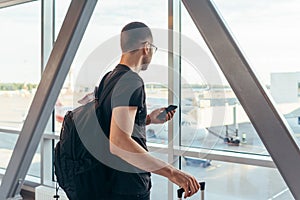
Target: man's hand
153, 116
186, 181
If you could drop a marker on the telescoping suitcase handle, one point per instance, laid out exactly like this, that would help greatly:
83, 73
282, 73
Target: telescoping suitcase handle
181, 191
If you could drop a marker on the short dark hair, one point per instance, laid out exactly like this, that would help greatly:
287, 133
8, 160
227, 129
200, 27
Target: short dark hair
133, 34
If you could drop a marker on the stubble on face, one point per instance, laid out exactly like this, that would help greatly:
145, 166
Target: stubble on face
145, 62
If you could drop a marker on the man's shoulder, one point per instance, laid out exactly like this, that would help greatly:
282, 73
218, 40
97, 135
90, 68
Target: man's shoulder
125, 70
132, 77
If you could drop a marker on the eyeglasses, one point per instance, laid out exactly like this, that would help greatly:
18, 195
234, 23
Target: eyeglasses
152, 46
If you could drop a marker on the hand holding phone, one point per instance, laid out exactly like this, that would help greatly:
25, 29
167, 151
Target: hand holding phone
162, 115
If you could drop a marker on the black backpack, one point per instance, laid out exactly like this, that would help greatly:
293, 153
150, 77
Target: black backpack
78, 171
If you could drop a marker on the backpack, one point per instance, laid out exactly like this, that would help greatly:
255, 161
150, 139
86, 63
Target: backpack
78, 170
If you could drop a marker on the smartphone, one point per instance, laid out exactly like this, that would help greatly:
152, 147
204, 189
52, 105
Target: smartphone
162, 115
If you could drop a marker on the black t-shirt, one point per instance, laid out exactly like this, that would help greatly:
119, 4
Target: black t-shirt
128, 91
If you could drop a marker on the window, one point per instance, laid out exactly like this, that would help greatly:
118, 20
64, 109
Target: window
217, 119
8, 142
230, 130
271, 49
20, 39
235, 181
20, 60
211, 117
100, 51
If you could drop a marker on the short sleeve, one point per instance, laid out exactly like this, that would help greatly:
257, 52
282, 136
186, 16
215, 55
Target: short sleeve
128, 91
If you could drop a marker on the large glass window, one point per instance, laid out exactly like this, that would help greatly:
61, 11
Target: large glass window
159, 184
269, 38
8, 142
220, 118
20, 61
20, 50
211, 116
235, 181
100, 51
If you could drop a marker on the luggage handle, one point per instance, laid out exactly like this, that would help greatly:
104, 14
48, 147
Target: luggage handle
181, 191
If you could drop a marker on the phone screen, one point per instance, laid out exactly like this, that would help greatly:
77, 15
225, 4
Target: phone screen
162, 115
170, 108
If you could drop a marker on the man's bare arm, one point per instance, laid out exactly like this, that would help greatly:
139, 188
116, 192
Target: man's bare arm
123, 146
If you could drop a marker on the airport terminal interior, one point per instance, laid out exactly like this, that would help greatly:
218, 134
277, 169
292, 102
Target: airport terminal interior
231, 67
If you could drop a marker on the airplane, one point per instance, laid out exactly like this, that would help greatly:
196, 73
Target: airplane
191, 131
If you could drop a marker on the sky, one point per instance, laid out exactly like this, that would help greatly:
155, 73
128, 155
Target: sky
267, 31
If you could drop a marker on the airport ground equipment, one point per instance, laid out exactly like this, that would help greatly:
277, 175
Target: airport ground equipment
230, 140
197, 162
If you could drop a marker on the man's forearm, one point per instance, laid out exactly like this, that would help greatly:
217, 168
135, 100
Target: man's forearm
129, 150
123, 146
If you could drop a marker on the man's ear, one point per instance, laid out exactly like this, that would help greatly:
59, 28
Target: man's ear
146, 49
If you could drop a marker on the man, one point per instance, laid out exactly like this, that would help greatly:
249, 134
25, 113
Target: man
126, 114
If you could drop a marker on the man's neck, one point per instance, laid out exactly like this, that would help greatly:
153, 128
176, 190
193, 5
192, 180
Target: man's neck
132, 61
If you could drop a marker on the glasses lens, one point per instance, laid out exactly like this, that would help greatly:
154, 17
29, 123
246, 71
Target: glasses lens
153, 47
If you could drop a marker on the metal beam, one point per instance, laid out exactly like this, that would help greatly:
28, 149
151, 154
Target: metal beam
269, 124
173, 81
216, 155
7, 3
47, 41
58, 66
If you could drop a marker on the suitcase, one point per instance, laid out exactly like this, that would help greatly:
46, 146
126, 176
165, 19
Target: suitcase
181, 191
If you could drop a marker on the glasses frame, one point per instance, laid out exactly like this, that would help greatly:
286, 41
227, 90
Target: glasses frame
155, 48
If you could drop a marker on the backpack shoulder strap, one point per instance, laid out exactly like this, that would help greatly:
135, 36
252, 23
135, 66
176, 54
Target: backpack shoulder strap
107, 84
98, 90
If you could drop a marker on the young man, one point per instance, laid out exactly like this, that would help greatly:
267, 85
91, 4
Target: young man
125, 116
